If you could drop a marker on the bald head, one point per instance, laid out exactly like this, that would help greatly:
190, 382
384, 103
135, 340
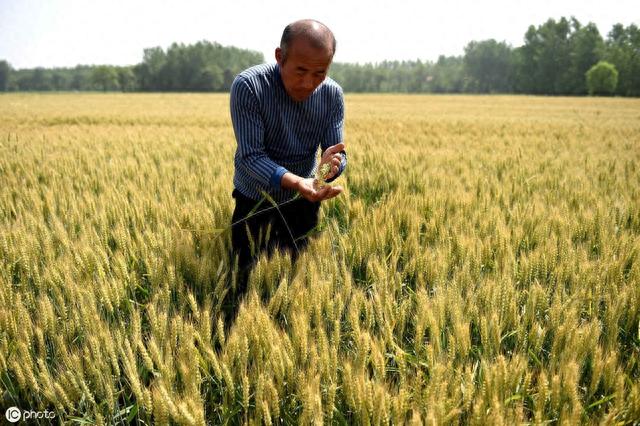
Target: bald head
315, 33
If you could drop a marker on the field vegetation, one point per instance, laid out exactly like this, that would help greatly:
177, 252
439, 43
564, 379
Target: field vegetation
482, 266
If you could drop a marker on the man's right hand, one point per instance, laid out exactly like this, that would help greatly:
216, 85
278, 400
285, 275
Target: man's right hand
306, 189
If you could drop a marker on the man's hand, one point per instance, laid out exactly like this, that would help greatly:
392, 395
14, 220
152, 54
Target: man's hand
306, 189
332, 156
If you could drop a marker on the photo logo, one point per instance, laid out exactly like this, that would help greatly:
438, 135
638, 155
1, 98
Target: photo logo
13, 414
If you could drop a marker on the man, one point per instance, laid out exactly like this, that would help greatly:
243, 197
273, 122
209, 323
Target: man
281, 114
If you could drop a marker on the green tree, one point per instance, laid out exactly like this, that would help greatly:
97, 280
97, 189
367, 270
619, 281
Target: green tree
5, 73
126, 79
210, 79
81, 78
448, 75
40, 79
586, 48
204, 66
488, 66
623, 50
105, 78
544, 59
59, 80
602, 79
149, 71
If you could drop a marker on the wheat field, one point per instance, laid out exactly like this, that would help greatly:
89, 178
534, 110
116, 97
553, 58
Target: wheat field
481, 267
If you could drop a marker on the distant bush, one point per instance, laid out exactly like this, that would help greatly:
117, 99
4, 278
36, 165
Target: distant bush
602, 79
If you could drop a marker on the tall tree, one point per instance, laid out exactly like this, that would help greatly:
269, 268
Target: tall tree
126, 79
40, 79
623, 51
149, 71
5, 72
81, 79
544, 59
448, 75
488, 66
105, 78
586, 48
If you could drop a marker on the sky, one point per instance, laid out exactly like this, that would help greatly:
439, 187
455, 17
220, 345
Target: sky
65, 33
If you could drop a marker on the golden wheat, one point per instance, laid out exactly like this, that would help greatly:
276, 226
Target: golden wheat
481, 267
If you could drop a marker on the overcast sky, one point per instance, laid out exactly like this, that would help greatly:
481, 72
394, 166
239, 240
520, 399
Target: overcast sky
69, 32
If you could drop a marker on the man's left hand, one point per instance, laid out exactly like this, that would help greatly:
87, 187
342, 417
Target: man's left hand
332, 156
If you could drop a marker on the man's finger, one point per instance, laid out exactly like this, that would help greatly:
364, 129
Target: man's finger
310, 195
332, 159
335, 148
322, 193
328, 156
335, 191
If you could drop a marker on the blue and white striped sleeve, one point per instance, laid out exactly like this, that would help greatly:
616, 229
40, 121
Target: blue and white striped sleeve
335, 131
249, 131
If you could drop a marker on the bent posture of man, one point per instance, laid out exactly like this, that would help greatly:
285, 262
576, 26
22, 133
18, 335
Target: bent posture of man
281, 114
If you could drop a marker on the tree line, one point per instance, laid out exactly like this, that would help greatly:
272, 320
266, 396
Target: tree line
559, 57
200, 67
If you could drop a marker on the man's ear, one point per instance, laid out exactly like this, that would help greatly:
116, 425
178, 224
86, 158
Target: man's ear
279, 56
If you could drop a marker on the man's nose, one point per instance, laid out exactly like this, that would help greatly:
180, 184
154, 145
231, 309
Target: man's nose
307, 82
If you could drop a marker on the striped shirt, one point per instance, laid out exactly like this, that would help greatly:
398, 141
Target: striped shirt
276, 134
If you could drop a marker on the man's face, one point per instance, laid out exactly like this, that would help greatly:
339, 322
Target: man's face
304, 68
